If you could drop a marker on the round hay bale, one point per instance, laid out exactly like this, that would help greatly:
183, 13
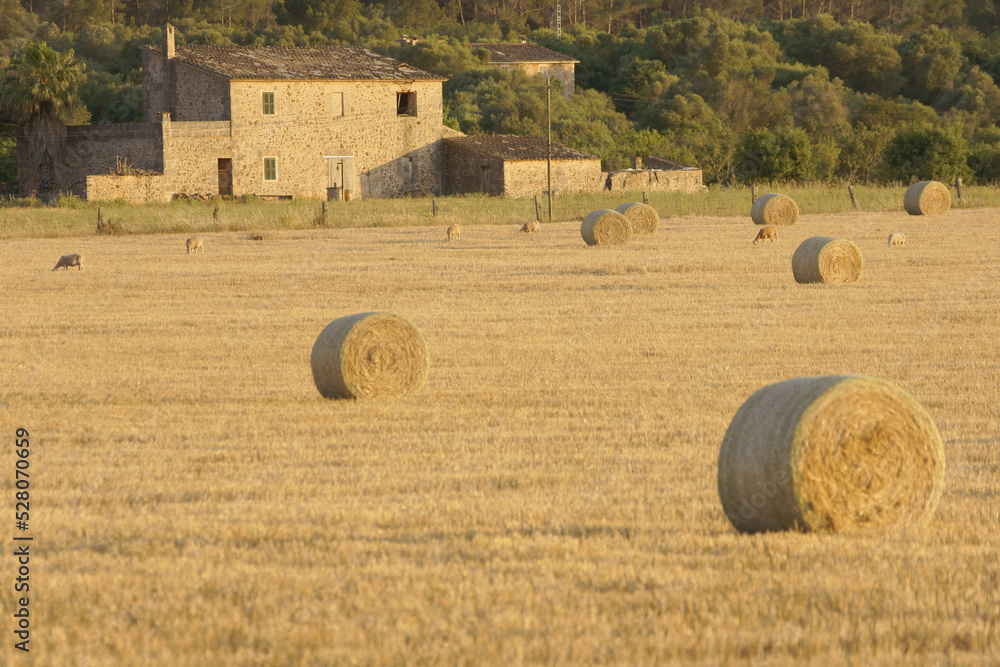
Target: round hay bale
370, 355
774, 209
606, 227
927, 198
644, 218
840, 453
822, 259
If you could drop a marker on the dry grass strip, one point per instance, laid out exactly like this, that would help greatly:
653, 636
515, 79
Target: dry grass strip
927, 198
606, 227
369, 355
774, 209
822, 259
839, 453
644, 218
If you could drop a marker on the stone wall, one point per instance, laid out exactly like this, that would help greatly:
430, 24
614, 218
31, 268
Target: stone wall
134, 189
95, 149
154, 85
197, 96
190, 156
468, 171
530, 177
655, 180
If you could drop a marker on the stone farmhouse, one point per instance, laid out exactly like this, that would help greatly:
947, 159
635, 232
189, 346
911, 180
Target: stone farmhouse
269, 121
533, 59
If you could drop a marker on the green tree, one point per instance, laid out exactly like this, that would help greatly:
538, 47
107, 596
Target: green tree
863, 58
818, 105
39, 88
926, 152
314, 15
774, 156
861, 154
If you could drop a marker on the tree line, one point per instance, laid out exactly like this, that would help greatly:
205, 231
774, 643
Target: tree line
859, 91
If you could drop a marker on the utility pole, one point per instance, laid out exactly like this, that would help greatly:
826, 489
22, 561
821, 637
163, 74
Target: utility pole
548, 150
558, 20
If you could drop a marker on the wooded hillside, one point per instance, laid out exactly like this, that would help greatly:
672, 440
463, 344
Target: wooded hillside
832, 90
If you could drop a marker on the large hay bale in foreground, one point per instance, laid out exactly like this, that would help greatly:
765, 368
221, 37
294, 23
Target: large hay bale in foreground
927, 198
370, 355
644, 218
822, 259
839, 453
606, 227
774, 209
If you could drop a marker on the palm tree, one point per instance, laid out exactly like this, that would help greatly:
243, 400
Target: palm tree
39, 88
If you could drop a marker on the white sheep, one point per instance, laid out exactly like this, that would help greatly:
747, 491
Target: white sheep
67, 261
454, 232
769, 232
530, 227
897, 238
194, 244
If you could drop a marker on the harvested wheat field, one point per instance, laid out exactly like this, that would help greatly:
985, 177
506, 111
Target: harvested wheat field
549, 496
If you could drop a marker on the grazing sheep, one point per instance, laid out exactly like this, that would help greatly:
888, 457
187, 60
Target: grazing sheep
193, 244
769, 232
530, 227
454, 232
897, 238
67, 261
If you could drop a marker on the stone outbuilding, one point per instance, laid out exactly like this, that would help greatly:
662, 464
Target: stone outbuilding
516, 166
268, 121
533, 59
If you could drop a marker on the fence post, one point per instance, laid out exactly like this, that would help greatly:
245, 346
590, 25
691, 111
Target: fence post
645, 197
753, 192
215, 213
100, 219
325, 212
538, 209
854, 199
958, 186
434, 207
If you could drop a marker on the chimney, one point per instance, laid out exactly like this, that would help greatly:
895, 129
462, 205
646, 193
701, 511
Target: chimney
168, 41
524, 40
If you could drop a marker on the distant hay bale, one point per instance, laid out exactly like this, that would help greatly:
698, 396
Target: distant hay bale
822, 259
774, 209
831, 454
644, 218
606, 227
927, 198
369, 355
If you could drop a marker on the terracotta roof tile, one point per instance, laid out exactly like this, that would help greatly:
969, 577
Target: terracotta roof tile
296, 63
522, 53
515, 148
